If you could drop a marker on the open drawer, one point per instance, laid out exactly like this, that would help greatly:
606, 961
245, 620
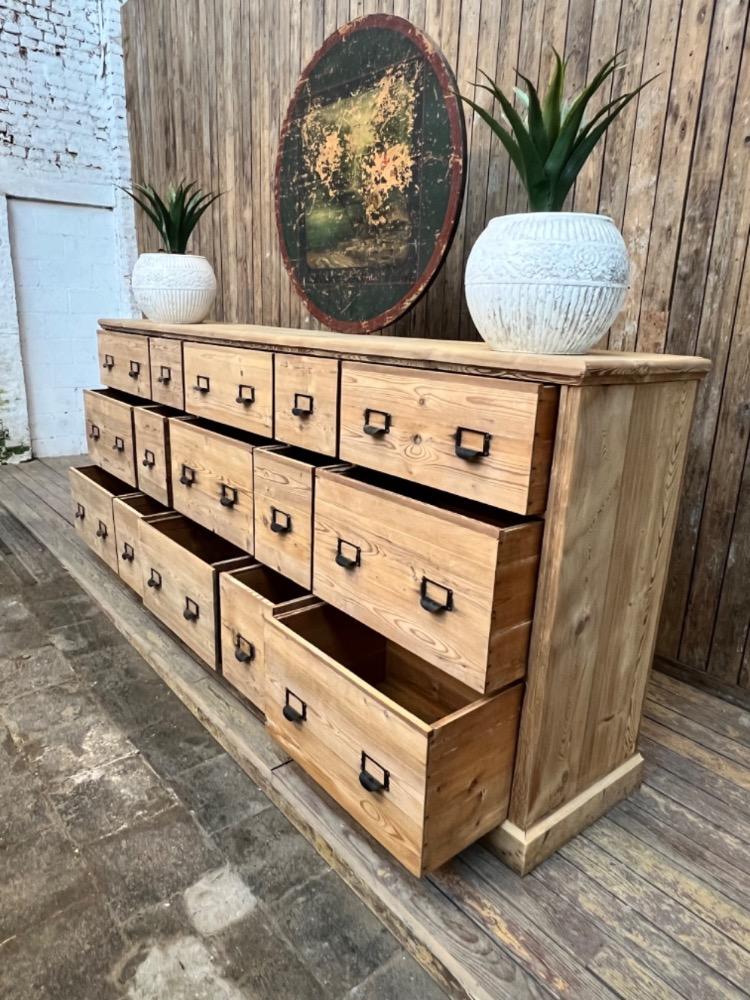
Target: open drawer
407, 751
152, 450
247, 598
180, 564
128, 511
93, 491
111, 431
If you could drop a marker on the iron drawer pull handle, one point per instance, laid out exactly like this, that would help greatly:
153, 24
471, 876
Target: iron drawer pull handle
243, 655
192, 610
80, 511
135, 369
228, 496
429, 603
279, 526
165, 374
128, 552
291, 713
300, 410
149, 459
368, 781
245, 394
109, 362
119, 444
471, 454
375, 430
202, 383
101, 531
187, 478
95, 433
154, 580
347, 561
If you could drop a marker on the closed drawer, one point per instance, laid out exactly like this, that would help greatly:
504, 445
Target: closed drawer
124, 362
230, 385
152, 450
485, 439
180, 565
93, 491
453, 584
167, 384
247, 598
212, 477
408, 752
306, 401
110, 431
127, 512
284, 489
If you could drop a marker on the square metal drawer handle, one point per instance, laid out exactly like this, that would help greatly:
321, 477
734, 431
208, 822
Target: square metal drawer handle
94, 432
80, 512
376, 429
435, 607
472, 454
295, 709
245, 394
281, 522
244, 650
149, 459
101, 531
135, 369
154, 579
165, 374
303, 404
187, 476
229, 496
380, 781
109, 362
202, 383
192, 611
348, 561
119, 444
128, 552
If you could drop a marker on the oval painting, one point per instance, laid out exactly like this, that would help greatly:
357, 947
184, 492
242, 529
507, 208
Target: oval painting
370, 173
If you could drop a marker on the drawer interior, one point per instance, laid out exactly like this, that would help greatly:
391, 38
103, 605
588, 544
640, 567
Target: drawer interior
224, 430
120, 397
399, 675
104, 479
302, 455
203, 544
269, 584
143, 504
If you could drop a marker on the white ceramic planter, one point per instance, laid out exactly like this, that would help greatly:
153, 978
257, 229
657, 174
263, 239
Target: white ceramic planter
546, 282
173, 287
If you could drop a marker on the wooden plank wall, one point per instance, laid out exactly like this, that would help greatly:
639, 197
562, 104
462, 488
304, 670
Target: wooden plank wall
207, 86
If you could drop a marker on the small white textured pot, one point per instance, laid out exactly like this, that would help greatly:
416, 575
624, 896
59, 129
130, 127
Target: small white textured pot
546, 282
173, 287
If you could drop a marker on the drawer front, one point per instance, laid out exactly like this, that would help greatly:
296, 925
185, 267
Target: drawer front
425, 581
230, 385
342, 722
178, 588
93, 516
243, 655
283, 514
128, 549
212, 481
124, 362
306, 401
485, 439
109, 430
167, 384
152, 453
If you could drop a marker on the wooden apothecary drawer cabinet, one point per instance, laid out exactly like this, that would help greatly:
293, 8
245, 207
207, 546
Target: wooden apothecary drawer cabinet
446, 625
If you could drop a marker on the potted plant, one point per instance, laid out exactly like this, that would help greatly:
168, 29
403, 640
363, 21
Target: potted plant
548, 281
173, 286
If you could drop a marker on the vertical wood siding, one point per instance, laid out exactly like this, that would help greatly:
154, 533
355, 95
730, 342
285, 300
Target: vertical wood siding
207, 85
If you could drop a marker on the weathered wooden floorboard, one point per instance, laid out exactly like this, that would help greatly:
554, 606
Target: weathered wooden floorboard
701, 707
698, 733
703, 804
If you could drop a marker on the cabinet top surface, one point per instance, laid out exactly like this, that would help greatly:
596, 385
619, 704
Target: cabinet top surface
442, 355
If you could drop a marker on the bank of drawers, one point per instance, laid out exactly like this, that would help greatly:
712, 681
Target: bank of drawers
149, 367
92, 490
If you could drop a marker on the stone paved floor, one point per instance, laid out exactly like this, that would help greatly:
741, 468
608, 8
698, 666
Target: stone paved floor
136, 859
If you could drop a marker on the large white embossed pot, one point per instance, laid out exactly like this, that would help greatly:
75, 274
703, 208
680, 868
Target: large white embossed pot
173, 287
546, 282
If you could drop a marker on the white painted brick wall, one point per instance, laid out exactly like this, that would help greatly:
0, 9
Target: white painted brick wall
63, 133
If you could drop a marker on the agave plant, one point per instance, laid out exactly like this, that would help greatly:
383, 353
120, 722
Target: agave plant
177, 215
550, 142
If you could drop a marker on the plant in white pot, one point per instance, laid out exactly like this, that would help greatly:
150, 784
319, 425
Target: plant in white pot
173, 286
548, 281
